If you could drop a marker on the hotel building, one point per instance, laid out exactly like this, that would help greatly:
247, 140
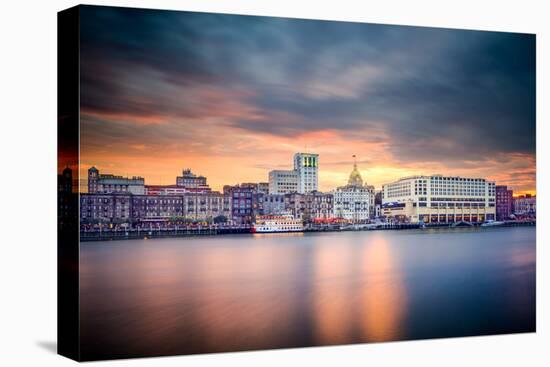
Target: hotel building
355, 201
439, 199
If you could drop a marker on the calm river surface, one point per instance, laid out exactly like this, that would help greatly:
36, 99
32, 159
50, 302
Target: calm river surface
242, 292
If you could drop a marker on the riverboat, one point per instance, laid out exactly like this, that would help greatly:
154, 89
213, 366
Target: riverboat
277, 223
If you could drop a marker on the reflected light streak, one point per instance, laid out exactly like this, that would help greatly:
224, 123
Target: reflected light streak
383, 297
333, 301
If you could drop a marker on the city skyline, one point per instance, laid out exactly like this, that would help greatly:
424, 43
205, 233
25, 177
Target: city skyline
84, 182
405, 100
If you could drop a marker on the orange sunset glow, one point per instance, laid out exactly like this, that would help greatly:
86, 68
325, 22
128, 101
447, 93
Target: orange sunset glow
221, 164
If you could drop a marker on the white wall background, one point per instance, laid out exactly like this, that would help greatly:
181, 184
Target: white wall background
28, 165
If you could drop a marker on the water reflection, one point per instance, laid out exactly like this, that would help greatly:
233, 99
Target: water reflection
382, 298
212, 294
333, 292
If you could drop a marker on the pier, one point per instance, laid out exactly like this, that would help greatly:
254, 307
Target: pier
191, 231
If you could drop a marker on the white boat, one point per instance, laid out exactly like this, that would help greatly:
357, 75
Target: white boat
277, 223
492, 223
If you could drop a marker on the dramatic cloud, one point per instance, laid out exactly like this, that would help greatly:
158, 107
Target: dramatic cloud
235, 96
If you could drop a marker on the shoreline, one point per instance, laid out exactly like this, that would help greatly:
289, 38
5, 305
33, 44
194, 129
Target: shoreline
133, 234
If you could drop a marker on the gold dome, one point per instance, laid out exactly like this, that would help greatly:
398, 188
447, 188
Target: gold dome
355, 177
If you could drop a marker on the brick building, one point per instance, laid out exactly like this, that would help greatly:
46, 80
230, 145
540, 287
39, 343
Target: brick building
504, 202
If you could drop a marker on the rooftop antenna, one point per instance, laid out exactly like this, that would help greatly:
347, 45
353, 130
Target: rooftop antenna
354, 161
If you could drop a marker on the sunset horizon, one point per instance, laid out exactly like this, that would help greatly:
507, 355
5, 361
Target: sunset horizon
405, 100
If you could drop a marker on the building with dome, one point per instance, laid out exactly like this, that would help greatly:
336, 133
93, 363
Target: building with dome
354, 201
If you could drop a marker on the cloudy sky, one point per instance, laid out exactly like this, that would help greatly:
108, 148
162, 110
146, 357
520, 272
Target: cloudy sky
232, 97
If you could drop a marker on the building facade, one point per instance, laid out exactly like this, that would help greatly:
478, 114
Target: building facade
108, 183
263, 187
378, 204
354, 201
246, 202
119, 208
165, 190
191, 181
439, 199
283, 182
525, 205
309, 206
302, 179
306, 166
274, 204
504, 202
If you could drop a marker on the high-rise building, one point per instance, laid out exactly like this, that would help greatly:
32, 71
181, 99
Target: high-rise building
504, 202
306, 166
354, 201
302, 179
439, 199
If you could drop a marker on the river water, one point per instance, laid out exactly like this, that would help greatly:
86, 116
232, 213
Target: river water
244, 292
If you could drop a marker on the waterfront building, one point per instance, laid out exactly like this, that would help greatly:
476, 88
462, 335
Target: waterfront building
174, 190
108, 183
306, 166
439, 199
504, 202
282, 182
188, 182
116, 208
111, 208
246, 202
274, 204
191, 181
354, 201
309, 206
165, 190
198, 206
525, 205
